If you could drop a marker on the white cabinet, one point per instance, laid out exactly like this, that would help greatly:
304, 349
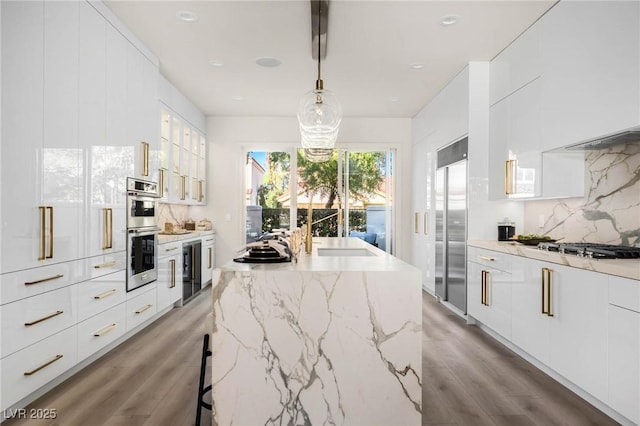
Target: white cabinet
558, 313
208, 257
169, 284
31, 368
41, 215
420, 211
141, 307
29, 320
591, 66
98, 331
100, 294
489, 289
624, 347
182, 160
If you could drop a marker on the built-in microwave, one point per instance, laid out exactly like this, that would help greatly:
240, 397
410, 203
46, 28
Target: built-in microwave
142, 232
142, 203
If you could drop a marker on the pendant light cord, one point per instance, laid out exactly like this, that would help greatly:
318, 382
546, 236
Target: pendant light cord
319, 84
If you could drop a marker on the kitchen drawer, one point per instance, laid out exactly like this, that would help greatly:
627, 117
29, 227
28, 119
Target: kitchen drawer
169, 249
489, 258
99, 294
30, 282
30, 320
208, 239
624, 292
31, 368
100, 330
98, 266
141, 308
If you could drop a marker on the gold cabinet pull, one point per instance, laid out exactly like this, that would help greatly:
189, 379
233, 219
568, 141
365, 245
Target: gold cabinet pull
161, 183
55, 277
145, 158
105, 294
50, 256
425, 223
416, 222
107, 234
46, 364
105, 330
106, 265
210, 263
509, 177
200, 190
546, 279
144, 308
172, 264
489, 258
183, 195
43, 225
482, 285
55, 314
171, 249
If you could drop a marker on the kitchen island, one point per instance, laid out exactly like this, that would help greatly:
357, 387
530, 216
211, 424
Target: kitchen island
332, 339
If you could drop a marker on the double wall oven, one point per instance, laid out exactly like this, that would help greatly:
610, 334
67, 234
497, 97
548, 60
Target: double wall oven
142, 233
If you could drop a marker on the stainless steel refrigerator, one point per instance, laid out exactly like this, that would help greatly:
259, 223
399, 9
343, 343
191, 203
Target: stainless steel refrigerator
451, 224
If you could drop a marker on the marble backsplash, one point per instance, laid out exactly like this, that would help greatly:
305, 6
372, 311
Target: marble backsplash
173, 213
609, 213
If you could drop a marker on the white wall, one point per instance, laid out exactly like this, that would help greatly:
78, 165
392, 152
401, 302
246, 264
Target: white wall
229, 137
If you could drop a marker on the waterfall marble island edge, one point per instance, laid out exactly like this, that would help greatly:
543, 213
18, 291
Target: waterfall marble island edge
326, 340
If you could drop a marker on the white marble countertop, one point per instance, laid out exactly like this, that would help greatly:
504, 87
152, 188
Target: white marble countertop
378, 261
169, 238
627, 268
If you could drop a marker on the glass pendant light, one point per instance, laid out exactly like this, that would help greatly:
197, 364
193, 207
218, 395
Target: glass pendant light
319, 112
318, 155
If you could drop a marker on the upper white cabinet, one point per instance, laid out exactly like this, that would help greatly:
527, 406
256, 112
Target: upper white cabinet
80, 112
182, 160
571, 77
591, 70
42, 219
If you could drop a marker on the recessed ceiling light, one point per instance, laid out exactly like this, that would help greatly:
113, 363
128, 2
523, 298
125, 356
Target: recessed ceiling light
417, 66
449, 20
394, 99
237, 98
268, 62
186, 16
216, 63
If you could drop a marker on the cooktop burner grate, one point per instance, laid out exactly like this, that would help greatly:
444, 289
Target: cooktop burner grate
591, 250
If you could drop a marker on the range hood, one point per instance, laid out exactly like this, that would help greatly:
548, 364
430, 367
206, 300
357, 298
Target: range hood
626, 136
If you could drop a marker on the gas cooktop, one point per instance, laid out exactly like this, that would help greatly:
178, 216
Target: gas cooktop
593, 250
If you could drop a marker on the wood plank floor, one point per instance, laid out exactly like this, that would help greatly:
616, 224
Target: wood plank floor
468, 379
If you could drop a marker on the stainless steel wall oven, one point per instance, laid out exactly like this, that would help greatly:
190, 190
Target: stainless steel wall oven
142, 233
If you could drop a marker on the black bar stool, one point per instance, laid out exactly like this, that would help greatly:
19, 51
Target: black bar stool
202, 390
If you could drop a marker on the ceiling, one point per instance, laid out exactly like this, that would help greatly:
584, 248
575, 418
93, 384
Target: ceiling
371, 46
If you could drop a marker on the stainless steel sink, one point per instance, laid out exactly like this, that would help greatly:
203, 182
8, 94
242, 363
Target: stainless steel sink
342, 252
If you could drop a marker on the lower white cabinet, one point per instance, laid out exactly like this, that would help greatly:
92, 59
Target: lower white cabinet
29, 320
489, 292
624, 347
560, 318
208, 257
141, 308
34, 366
100, 294
98, 331
169, 283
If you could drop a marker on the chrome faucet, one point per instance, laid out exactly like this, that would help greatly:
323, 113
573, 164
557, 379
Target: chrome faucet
307, 240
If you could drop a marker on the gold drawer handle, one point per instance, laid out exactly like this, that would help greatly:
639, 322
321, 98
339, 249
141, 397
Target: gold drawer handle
105, 294
106, 265
46, 364
55, 277
144, 308
490, 259
55, 314
172, 248
105, 330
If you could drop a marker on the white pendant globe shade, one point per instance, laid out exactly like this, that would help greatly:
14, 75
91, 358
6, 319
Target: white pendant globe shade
318, 155
319, 115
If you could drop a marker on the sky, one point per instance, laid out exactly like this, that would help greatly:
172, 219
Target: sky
260, 157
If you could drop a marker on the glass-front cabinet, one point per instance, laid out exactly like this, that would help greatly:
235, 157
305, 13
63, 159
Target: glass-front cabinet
183, 160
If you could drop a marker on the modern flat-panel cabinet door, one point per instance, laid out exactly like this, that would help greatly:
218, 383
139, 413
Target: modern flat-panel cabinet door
22, 109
